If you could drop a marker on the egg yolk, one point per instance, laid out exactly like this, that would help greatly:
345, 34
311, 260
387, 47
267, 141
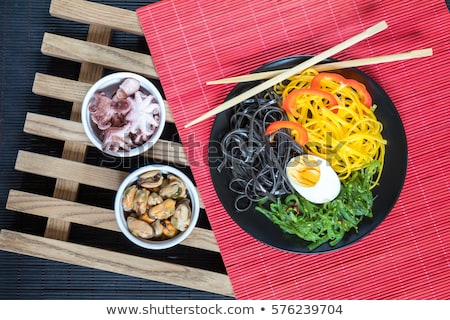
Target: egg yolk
304, 171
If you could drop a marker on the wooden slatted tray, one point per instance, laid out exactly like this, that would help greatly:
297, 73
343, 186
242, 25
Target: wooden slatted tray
71, 170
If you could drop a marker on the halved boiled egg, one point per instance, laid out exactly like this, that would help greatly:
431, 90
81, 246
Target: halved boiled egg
313, 178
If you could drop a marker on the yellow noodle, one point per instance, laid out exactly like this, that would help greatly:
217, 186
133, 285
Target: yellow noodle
347, 135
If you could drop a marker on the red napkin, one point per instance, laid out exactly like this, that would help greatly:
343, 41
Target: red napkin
408, 255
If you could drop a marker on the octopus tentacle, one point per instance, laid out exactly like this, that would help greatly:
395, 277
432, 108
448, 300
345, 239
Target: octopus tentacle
127, 119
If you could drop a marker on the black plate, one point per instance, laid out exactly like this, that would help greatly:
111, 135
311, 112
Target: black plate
386, 194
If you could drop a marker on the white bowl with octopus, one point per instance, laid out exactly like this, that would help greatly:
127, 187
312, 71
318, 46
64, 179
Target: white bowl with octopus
123, 114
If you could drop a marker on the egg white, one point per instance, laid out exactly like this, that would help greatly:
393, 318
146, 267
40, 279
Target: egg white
326, 189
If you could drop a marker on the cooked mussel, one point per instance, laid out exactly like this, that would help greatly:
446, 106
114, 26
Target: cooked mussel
157, 228
176, 189
154, 199
128, 198
140, 228
168, 230
182, 216
157, 206
145, 217
163, 210
151, 179
140, 201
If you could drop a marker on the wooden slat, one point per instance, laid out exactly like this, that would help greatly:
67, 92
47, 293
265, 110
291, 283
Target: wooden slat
93, 216
59, 88
202, 238
115, 262
84, 51
95, 13
69, 90
168, 151
60, 209
66, 130
70, 170
58, 168
55, 128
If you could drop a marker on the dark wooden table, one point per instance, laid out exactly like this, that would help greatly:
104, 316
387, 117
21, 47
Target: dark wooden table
58, 235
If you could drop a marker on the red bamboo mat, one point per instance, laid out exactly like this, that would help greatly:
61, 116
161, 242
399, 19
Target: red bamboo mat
408, 255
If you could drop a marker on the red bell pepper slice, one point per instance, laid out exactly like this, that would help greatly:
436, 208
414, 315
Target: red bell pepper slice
290, 102
301, 136
360, 89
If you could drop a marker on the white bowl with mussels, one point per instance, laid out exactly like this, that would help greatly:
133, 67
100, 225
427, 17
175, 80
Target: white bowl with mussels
157, 206
123, 114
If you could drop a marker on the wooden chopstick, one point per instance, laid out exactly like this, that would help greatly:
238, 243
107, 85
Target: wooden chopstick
286, 74
331, 66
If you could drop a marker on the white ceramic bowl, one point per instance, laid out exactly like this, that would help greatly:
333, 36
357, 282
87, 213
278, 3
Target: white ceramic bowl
109, 84
192, 195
